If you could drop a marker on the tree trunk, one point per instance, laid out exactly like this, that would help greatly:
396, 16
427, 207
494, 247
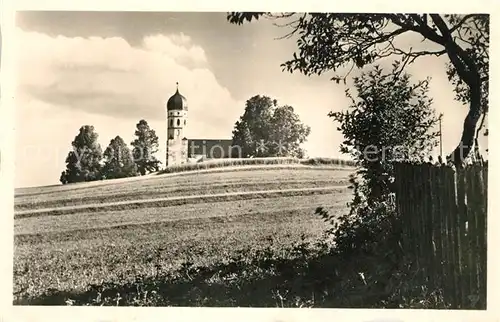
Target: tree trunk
466, 143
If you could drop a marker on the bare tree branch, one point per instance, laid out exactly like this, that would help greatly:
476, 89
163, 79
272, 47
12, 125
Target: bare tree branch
295, 27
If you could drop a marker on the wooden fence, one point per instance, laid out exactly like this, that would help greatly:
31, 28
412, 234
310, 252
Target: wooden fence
443, 212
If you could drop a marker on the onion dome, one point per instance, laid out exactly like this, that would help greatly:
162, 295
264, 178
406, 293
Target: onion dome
177, 102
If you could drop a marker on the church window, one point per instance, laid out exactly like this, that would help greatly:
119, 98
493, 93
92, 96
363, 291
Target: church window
178, 132
171, 122
184, 122
178, 122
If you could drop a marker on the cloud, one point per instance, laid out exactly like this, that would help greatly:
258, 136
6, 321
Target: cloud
64, 83
107, 76
178, 47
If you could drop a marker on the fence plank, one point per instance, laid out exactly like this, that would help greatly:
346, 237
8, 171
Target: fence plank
472, 232
462, 239
482, 224
428, 212
447, 258
437, 226
400, 197
419, 242
452, 236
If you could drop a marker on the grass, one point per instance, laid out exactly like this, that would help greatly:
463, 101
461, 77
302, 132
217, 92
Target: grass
221, 163
181, 184
132, 249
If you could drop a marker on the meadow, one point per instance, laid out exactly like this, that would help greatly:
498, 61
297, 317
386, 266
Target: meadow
177, 238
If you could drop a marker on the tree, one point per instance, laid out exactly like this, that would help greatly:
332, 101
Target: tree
334, 41
144, 148
390, 119
253, 127
83, 163
268, 130
118, 162
287, 132
242, 138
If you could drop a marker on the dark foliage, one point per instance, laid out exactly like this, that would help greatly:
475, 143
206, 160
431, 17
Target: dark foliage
83, 163
144, 148
391, 119
268, 130
118, 162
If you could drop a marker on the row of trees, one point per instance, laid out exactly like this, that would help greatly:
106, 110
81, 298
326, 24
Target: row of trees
264, 130
87, 162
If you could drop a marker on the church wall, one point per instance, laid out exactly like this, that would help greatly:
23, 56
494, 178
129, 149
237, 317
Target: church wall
211, 149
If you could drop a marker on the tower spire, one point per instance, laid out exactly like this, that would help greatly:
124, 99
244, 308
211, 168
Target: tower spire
177, 84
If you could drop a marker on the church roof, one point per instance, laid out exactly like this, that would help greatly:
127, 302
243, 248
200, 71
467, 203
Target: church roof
177, 101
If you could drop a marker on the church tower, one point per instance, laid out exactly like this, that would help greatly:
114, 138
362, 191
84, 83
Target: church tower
177, 143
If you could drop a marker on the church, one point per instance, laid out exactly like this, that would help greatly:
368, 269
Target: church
181, 150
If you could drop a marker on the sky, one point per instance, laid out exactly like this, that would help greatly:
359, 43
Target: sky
111, 69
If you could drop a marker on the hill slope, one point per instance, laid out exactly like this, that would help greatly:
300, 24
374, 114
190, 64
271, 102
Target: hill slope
67, 237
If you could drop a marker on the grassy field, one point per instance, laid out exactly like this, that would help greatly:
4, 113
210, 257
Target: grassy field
71, 239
